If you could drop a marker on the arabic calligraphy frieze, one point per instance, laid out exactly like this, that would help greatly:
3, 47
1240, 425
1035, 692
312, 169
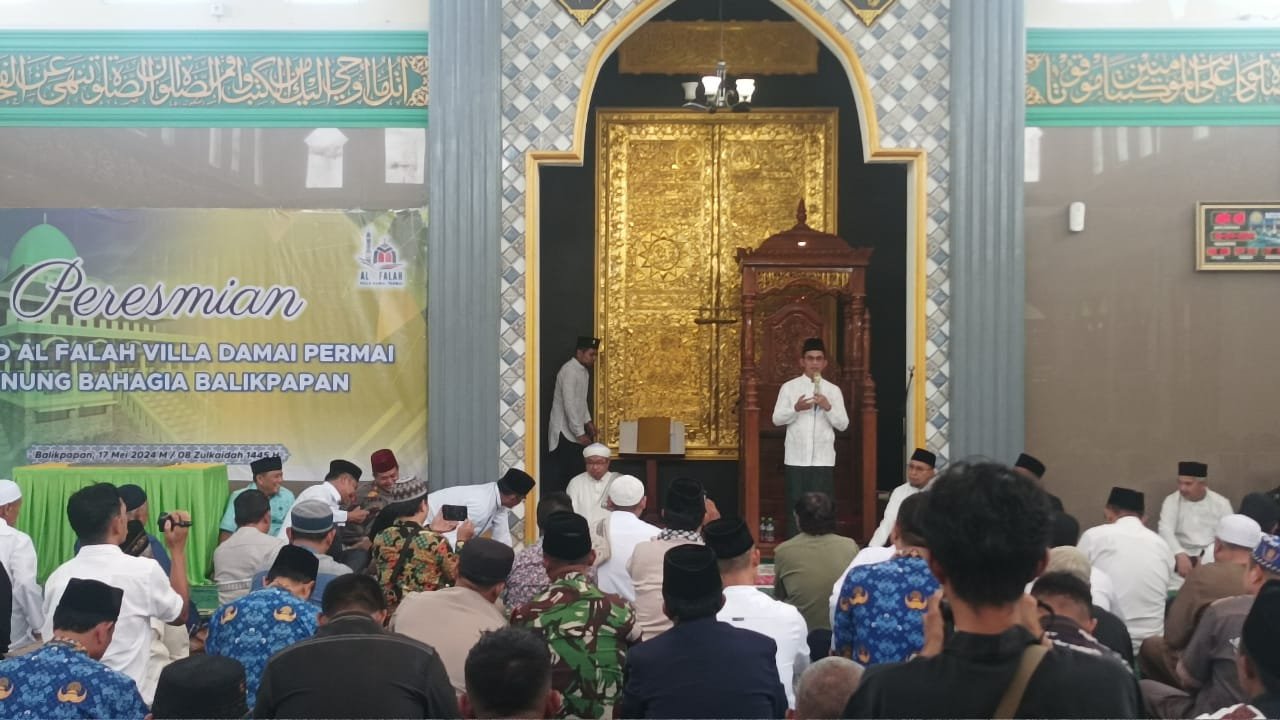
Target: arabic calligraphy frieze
373, 80
1234, 78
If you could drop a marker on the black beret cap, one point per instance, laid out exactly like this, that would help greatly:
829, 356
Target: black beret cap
1031, 464
486, 562
689, 572
201, 686
339, 467
516, 482
728, 537
266, 464
566, 536
1125, 499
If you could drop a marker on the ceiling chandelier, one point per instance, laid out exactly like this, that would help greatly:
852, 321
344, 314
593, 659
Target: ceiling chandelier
720, 91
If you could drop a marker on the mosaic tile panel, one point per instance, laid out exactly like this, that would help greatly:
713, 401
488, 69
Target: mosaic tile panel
906, 58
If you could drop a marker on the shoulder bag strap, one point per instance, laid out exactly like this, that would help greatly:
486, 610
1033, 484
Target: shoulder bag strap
408, 535
1012, 698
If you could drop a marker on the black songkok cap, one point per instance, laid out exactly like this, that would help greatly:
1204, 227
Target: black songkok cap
1031, 464
486, 562
516, 482
1128, 500
340, 467
588, 343
565, 536
133, 496
811, 344
689, 572
266, 464
1191, 468
1262, 508
1261, 633
201, 686
926, 457
90, 597
294, 561
728, 537
685, 497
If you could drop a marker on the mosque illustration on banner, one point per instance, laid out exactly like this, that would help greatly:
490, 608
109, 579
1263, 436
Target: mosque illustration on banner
382, 257
39, 415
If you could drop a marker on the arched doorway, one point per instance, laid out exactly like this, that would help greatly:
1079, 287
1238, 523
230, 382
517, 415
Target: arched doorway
881, 203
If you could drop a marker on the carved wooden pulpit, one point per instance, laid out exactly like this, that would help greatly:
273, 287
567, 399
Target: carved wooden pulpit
805, 283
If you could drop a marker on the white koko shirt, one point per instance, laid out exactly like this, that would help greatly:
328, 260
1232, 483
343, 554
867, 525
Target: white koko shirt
18, 555
811, 434
147, 595
484, 510
624, 531
900, 493
326, 493
747, 608
1188, 527
569, 414
1140, 564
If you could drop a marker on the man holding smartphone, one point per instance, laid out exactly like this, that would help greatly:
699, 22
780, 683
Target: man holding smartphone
488, 505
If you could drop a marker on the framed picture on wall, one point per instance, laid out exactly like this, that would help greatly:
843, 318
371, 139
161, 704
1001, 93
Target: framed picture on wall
1238, 236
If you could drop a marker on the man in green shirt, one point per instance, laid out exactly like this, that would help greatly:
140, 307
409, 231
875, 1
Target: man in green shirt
807, 565
268, 476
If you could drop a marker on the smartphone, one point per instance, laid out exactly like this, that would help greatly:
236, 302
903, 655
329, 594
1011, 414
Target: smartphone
456, 513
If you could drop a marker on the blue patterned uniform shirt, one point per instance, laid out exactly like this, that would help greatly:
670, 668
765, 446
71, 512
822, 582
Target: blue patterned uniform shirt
59, 681
880, 614
255, 627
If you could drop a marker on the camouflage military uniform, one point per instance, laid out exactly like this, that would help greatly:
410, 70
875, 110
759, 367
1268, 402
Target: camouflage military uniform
368, 497
429, 565
589, 632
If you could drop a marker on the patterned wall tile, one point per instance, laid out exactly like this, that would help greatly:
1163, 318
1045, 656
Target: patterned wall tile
906, 58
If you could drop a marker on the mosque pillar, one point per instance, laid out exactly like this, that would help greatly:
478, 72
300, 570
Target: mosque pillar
988, 258
464, 202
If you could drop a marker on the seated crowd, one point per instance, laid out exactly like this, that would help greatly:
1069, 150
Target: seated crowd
977, 597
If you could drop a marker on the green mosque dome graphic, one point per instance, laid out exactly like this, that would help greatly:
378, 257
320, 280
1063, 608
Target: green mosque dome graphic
40, 243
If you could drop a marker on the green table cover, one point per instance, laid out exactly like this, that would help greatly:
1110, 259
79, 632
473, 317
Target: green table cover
197, 488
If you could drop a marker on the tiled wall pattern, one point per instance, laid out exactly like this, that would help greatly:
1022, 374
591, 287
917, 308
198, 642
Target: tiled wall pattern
905, 56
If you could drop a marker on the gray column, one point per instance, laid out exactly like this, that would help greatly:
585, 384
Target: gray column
988, 262
464, 205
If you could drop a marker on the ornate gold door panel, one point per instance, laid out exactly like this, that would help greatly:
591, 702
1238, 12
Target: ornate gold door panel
677, 194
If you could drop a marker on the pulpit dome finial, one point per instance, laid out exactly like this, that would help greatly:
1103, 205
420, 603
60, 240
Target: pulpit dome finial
802, 215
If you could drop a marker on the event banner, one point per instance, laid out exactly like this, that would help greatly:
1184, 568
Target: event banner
156, 337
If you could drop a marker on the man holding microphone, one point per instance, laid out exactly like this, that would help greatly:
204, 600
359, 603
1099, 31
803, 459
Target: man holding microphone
812, 409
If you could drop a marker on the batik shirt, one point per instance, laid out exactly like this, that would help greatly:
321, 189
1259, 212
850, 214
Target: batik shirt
431, 564
527, 578
589, 632
62, 681
879, 616
255, 627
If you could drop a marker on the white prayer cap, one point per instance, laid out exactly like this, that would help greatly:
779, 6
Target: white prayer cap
596, 450
626, 491
10, 492
1239, 530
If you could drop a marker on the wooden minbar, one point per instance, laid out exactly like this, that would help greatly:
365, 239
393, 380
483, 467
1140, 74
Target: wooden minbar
798, 284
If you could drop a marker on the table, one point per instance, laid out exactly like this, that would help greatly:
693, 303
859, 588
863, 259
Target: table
198, 488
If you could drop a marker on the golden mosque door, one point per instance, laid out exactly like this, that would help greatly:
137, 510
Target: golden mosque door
677, 194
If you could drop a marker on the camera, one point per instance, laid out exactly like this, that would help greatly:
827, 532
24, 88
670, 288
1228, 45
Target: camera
165, 520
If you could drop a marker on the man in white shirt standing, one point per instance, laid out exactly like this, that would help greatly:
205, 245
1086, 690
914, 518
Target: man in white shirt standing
1138, 561
622, 529
747, 608
812, 410
97, 515
570, 428
920, 470
18, 557
338, 489
1189, 516
488, 505
589, 490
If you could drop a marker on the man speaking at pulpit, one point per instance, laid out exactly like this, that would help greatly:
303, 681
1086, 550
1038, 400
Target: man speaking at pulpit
812, 409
